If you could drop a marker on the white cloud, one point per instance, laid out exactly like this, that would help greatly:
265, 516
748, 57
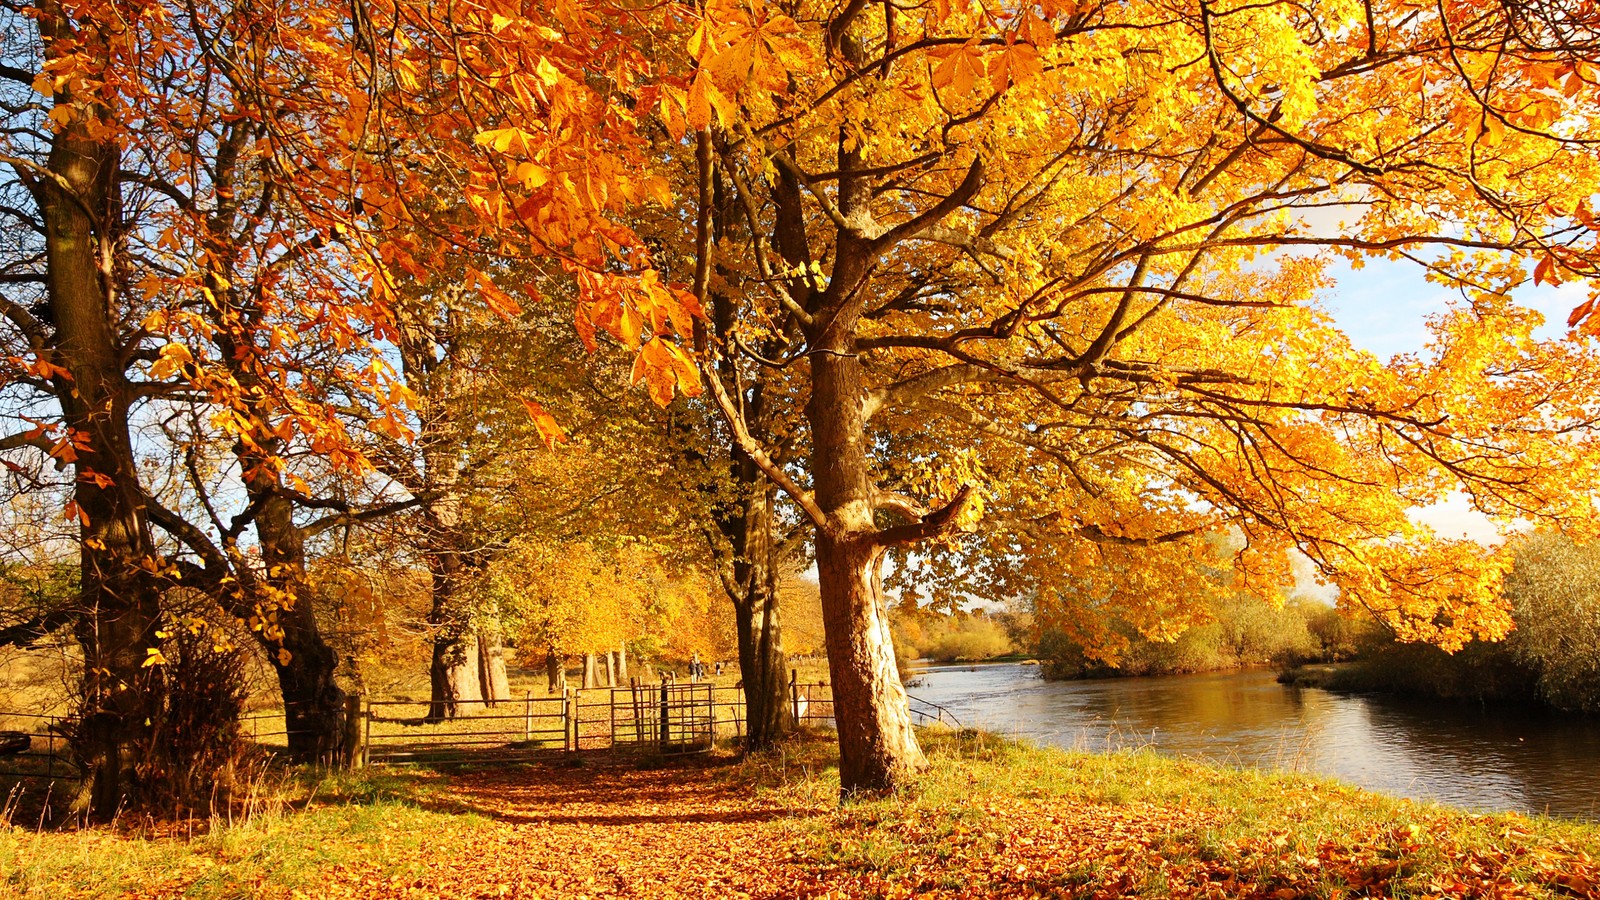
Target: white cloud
1454, 517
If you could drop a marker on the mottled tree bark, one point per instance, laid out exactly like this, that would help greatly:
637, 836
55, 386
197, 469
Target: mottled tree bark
79, 205
877, 746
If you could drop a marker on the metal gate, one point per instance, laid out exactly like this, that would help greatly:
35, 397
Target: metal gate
670, 718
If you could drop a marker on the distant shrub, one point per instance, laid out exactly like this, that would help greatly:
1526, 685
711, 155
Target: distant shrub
1553, 654
1554, 589
1335, 636
944, 637
1243, 631
976, 638
1480, 671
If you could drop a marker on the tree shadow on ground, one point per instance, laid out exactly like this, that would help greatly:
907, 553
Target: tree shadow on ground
691, 792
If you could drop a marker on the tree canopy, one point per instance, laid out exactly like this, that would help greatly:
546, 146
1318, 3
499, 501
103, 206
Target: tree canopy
1023, 295
1086, 239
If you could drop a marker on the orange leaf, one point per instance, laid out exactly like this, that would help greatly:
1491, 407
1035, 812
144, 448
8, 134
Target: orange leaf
697, 108
549, 430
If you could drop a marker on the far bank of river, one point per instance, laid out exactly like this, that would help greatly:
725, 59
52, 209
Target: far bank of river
1484, 760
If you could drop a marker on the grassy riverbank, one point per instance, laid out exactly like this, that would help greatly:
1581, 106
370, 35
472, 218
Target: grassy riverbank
991, 818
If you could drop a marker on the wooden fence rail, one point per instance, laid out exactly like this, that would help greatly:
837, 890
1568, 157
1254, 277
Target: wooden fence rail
668, 718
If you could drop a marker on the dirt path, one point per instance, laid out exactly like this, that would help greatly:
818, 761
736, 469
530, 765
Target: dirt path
591, 833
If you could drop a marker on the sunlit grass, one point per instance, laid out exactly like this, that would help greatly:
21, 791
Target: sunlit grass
989, 817
981, 792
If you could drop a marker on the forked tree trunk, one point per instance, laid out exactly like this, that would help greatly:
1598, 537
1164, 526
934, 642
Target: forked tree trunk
622, 663
588, 671
877, 747
611, 668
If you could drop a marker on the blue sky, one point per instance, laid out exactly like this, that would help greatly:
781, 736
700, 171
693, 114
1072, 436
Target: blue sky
1384, 307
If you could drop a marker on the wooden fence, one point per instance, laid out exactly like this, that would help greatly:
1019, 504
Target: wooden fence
669, 718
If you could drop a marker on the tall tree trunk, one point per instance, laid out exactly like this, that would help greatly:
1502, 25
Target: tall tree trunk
622, 663
555, 670
313, 703
496, 683
588, 671
120, 598
748, 527
761, 667
877, 746
611, 668
465, 668
453, 671
761, 657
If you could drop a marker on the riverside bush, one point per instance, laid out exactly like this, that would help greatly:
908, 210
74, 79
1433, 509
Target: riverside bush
1552, 654
1554, 589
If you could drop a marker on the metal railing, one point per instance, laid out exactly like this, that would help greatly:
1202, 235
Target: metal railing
402, 731
926, 712
45, 758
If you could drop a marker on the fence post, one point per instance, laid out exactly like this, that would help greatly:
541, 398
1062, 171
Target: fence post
355, 750
611, 703
664, 720
527, 716
569, 714
640, 729
794, 694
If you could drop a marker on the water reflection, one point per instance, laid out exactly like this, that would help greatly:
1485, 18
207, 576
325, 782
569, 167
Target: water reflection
1485, 760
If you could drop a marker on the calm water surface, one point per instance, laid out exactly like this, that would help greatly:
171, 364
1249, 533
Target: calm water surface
1457, 754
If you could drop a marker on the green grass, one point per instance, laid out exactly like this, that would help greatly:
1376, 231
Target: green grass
1270, 828
309, 824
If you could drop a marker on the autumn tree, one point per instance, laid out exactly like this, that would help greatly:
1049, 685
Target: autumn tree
759, 537
202, 190
1086, 239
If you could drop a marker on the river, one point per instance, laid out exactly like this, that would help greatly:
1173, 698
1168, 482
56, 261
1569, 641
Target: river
1486, 760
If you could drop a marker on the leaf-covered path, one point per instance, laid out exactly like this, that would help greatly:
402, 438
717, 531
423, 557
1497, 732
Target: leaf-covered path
587, 833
